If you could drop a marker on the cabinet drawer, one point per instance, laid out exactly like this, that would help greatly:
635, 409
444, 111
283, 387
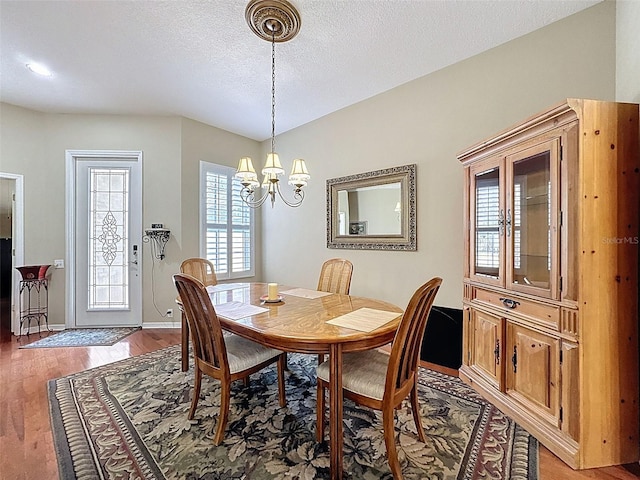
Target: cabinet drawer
543, 314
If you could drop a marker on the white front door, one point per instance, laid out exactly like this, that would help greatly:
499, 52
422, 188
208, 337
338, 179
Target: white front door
105, 264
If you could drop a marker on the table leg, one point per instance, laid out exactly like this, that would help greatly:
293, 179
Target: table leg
335, 411
185, 343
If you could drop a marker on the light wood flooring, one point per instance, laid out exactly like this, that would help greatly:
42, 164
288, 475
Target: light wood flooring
26, 444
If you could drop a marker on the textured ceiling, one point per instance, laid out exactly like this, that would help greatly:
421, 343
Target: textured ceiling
199, 59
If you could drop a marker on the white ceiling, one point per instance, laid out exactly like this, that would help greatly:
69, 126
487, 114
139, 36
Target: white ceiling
199, 59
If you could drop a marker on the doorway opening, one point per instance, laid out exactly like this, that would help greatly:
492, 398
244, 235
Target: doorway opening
11, 250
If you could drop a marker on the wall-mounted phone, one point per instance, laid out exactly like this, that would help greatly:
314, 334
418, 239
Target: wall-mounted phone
157, 236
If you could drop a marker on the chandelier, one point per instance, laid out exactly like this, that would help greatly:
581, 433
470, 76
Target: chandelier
275, 21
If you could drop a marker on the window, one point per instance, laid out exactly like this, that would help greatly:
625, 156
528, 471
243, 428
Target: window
226, 237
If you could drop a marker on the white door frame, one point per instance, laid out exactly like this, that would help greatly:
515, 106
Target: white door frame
72, 157
17, 241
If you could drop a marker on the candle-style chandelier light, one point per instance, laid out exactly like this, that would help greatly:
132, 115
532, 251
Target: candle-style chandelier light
275, 21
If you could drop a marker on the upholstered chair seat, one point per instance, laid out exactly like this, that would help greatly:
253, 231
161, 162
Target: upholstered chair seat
371, 367
243, 354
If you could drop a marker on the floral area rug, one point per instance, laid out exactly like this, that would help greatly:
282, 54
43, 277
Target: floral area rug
83, 337
129, 420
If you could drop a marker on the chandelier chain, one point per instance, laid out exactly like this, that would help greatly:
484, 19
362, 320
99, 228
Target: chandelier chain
273, 91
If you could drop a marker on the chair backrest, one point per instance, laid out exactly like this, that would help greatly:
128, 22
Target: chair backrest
200, 268
405, 350
204, 326
335, 276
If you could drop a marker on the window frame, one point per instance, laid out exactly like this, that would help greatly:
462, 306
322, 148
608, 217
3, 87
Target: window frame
229, 172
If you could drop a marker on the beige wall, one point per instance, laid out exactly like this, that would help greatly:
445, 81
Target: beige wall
201, 142
427, 122
34, 144
628, 51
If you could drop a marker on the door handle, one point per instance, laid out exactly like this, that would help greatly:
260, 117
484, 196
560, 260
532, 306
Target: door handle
501, 222
509, 303
135, 255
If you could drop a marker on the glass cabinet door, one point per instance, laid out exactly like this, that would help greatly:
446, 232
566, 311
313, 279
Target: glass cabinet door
531, 219
486, 222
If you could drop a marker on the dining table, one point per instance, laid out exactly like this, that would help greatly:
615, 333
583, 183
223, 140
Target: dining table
307, 321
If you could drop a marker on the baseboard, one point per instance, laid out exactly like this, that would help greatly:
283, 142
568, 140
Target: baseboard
146, 325
43, 329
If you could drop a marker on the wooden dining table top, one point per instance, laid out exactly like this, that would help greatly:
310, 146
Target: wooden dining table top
299, 324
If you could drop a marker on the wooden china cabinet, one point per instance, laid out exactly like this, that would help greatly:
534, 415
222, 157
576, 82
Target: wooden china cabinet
551, 278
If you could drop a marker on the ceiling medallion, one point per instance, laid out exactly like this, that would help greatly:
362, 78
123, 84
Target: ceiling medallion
275, 20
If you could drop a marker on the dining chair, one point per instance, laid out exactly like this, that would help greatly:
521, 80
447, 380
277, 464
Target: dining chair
224, 357
381, 381
335, 276
200, 268
203, 270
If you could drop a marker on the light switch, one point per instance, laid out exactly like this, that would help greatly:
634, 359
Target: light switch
58, 263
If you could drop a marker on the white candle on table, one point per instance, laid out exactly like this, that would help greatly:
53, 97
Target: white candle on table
273, 291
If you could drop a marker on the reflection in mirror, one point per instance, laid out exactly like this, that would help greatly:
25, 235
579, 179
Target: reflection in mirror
374, 210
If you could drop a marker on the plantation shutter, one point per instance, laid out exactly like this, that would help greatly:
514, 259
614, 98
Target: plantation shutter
227, 223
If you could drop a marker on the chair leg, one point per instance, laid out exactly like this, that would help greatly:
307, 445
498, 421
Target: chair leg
282, 363
320, 358
246, 381
416, 413
196, 391
185, 343
390, 442
286, 363
225, 401
320, 412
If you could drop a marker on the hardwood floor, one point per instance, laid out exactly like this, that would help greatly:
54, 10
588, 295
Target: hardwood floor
25, 432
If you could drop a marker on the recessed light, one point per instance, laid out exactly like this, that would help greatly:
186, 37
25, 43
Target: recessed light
39, 69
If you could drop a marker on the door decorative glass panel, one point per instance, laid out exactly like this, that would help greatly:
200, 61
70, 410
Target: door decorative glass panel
108, 279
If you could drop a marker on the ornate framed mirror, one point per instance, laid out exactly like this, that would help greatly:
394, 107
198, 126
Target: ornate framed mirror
373, 211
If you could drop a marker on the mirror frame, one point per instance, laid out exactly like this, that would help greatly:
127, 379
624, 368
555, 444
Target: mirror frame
406, 240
